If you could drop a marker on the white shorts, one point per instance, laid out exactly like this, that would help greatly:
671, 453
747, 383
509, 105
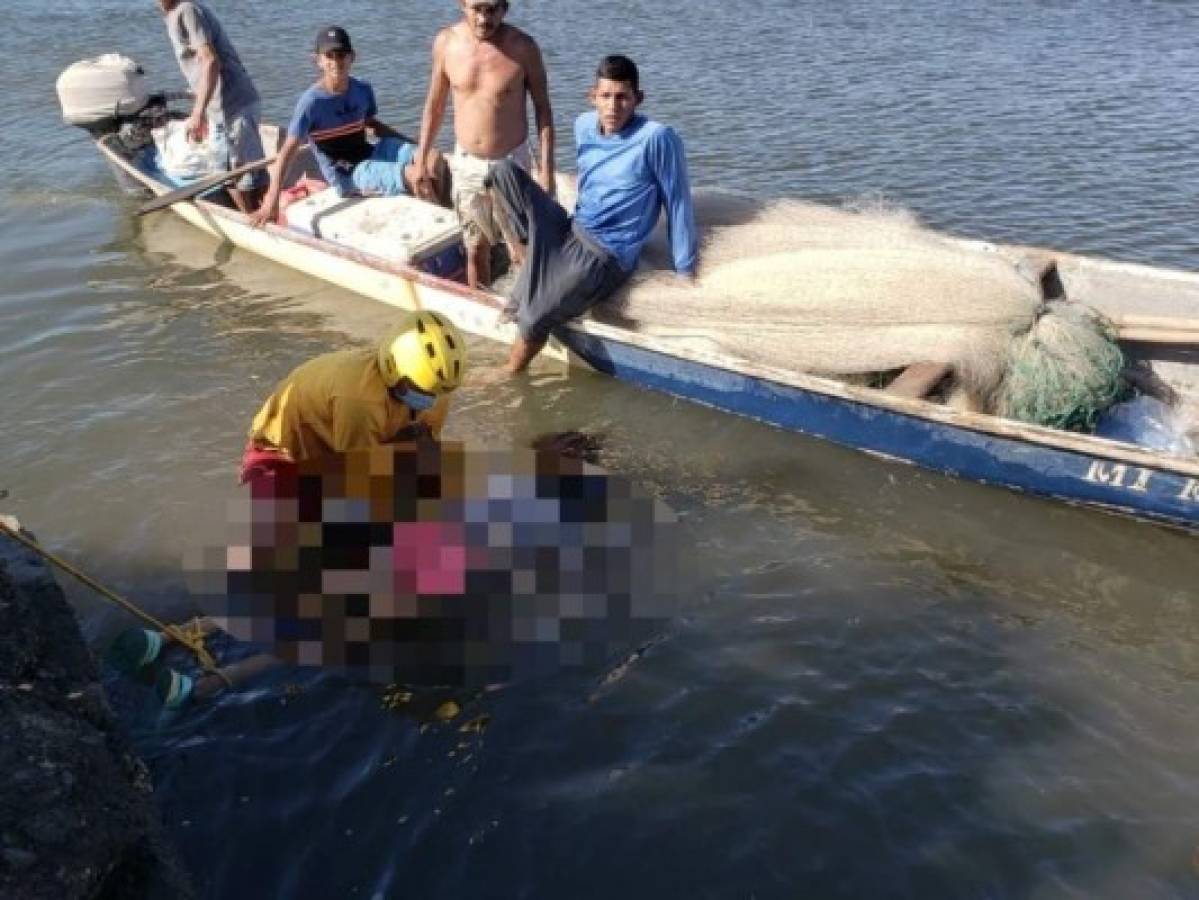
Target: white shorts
471, 200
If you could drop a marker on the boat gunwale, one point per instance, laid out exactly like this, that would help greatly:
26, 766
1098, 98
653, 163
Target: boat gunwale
1091, 445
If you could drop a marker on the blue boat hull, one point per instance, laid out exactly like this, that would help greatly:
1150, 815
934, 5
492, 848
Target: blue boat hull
1099, 479
1095, 479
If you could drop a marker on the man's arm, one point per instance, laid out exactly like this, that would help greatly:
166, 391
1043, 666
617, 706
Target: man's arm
356, 424
543, 113
668, 162
197, 123
199, 38
434, 112
270, 203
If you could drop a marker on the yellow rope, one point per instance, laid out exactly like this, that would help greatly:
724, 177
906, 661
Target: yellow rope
190, 637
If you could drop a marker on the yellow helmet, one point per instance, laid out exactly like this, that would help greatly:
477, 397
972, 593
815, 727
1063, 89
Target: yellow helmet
427, 349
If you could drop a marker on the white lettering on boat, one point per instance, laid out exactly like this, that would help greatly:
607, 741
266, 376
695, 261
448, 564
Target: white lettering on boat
1104, 474
1190, 491
1141, 485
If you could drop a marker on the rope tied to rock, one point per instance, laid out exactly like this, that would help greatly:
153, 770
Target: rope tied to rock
190, 636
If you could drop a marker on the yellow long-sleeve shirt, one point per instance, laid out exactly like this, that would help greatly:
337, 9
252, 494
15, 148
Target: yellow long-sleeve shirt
334, 403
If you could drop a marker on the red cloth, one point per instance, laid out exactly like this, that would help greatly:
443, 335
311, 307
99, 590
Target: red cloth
267, 470
301, 190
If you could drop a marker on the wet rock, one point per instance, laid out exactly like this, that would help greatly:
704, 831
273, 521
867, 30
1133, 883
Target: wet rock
77, 818
17, 858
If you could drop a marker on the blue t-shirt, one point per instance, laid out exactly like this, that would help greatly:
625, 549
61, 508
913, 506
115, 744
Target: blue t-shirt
625, 179
336, 126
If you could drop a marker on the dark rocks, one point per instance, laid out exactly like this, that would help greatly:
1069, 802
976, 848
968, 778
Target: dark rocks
18, 859
77, 817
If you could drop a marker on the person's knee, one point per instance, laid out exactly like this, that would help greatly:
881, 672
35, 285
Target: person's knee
505, 176
535, 326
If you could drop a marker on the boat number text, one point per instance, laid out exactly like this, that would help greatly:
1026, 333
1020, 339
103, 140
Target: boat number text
1133, 478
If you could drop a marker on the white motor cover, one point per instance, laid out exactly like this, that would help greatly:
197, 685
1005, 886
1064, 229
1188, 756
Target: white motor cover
93, 91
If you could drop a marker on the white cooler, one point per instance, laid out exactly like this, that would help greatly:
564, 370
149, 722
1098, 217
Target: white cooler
399, 229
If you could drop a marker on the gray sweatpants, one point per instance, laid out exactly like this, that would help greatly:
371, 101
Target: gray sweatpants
566, 271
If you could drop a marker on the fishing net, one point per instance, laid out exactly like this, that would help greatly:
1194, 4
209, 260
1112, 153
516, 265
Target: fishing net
1063, 371
842, 292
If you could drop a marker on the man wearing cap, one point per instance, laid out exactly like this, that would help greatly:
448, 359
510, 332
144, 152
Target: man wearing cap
226, 101
490, 67
334, 115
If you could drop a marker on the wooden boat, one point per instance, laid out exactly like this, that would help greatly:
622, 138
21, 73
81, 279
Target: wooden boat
1074, 468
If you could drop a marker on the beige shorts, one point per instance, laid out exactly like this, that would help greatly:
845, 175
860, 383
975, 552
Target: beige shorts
472, 201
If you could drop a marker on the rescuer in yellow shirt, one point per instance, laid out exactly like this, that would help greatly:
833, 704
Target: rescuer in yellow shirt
357, 399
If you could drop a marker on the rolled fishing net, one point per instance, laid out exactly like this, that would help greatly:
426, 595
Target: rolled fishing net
845, 292
1063, 371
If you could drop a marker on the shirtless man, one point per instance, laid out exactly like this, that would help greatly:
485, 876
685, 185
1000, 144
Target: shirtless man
490, 67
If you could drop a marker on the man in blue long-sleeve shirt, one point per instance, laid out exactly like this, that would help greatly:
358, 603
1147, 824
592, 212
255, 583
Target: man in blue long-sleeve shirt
630, 168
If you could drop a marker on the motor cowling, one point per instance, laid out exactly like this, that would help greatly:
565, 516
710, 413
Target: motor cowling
100, 93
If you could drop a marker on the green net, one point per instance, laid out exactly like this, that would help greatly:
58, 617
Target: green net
1064, 371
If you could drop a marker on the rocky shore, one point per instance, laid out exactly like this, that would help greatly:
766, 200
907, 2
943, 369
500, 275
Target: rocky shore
77, 813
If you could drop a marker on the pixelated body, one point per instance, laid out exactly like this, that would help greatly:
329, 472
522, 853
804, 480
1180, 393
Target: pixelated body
433, 564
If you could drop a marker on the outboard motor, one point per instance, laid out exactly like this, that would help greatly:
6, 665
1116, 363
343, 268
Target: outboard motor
108, 95
100, 94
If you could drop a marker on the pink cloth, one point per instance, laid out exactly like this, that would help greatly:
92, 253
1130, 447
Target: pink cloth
429, 557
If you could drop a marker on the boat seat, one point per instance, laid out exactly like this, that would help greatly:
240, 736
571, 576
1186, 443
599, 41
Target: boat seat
918, 380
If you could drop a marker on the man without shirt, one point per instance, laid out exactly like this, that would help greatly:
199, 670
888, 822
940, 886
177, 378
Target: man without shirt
630, 169
335, 115
226, 98
489, 67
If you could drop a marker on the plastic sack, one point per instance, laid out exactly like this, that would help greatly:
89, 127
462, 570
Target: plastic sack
1146, 422
180, 157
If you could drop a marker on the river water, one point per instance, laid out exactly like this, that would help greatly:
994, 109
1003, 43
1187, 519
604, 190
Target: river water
882, 683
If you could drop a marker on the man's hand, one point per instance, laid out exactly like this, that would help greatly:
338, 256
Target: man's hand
267, 211
422, 179
196, 128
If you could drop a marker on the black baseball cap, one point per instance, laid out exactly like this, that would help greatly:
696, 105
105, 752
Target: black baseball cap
332, 37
